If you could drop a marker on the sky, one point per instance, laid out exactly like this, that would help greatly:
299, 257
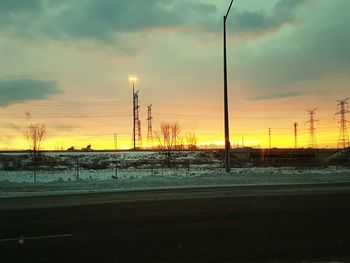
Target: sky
66, 64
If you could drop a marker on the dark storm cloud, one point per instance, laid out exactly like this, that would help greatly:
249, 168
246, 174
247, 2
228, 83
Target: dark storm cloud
24, 89
102, 20
15, 6
284, 12
325, 51
320, 48
18, 16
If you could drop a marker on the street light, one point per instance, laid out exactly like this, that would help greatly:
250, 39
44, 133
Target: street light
133, 80
227, 133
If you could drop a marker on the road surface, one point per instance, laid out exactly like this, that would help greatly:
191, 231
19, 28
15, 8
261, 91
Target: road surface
213, 224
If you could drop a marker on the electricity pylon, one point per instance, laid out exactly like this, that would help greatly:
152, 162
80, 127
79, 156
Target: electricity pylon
137, 120
312, 129
149, 121
137, 141
343, 139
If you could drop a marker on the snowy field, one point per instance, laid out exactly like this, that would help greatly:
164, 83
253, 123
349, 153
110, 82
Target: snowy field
142, 171
19, 183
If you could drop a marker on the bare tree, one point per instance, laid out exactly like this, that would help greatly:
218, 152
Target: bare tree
35, 135
191, 140
175, 132
169, 135
180, 145
168, 138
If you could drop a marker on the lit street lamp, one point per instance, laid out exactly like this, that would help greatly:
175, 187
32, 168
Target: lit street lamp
227, 132
133, 80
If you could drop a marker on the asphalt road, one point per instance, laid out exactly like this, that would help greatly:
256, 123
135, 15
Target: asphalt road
224, 224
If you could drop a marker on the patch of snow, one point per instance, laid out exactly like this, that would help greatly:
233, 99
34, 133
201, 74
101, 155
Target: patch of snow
139, 174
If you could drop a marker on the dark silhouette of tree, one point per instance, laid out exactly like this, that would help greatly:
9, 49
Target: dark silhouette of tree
180, 145
191, 141
168, 138
35, 135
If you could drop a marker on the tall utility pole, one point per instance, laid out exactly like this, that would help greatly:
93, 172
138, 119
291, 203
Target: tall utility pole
343, 139
312, 129
295, 135
270, 138
149, 131
227, 130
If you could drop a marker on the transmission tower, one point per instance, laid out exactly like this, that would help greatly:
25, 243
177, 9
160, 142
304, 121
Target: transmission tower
312, 129
295, 135
270, 138
343, 139
137, 121
149, 121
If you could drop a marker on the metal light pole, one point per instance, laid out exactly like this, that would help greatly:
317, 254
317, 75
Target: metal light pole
227, 130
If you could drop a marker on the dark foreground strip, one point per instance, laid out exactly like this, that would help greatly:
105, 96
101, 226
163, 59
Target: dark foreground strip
21, 239
290, 226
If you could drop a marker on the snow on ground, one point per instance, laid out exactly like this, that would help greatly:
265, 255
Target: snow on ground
145, 170
21, 183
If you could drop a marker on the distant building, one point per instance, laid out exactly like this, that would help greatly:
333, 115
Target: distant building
87, 148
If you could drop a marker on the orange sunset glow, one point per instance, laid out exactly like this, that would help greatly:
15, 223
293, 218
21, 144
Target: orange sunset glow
174, 130
96, 122
77, 81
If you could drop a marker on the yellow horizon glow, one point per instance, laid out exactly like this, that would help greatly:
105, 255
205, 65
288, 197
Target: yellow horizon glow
79, 123
326, 140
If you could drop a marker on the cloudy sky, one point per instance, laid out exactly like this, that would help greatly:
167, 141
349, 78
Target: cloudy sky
66, 64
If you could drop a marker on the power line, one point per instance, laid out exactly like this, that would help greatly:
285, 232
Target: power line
73, 104
124, 114
64, 116
75, 127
